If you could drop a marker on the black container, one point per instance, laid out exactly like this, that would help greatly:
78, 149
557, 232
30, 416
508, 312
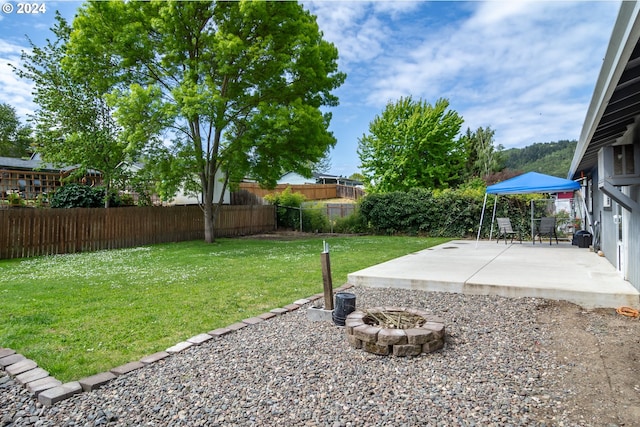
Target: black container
345, 305
582, 239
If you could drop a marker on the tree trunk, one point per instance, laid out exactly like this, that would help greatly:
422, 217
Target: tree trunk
106, 193
209, 217
215, 209
209, 223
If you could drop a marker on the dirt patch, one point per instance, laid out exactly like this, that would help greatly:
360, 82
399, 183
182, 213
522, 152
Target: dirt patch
598, 353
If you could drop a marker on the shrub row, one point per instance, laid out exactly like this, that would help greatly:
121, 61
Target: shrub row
447, 213
442, 213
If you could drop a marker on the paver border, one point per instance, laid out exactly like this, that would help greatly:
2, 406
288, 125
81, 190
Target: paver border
48, 390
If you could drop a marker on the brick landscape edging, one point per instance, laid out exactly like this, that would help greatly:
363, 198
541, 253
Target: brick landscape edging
48, 390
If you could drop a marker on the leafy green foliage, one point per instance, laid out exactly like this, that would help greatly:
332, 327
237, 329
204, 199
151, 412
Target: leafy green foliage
15, 139
15, 199
412, 144
351, 224
77, 196
551, 158
483, 157
74, 123
450, 213
288, 207
314, 219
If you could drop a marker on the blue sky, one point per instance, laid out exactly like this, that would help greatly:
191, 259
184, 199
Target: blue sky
527, 69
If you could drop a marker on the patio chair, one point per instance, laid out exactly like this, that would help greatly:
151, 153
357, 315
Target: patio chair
547, 228
505, 230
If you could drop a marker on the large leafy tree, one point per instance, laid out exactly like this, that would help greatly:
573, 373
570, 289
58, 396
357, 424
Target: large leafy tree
15, 138
74, 123
232, 88
412, 144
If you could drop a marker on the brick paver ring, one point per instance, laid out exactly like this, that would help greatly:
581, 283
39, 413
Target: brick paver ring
394, 330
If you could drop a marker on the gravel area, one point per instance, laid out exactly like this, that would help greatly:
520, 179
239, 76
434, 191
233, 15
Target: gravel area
493, 371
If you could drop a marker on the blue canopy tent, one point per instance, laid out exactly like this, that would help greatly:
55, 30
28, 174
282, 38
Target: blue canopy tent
530, 182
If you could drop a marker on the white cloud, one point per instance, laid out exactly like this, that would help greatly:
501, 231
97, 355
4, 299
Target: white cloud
14, 91
533, 57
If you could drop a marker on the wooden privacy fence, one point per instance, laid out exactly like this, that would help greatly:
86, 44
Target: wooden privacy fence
339, 210
349, 192
26, 232
310, 191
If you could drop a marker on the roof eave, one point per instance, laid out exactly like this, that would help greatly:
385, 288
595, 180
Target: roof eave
624, 37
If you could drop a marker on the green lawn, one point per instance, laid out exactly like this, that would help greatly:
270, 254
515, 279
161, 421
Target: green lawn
80, 314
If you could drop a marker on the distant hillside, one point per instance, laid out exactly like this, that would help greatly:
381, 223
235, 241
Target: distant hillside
551, 158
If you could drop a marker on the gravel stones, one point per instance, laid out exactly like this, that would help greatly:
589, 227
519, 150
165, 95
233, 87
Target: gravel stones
289, 370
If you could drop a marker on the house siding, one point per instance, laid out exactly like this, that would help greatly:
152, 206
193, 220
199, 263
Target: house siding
633, 247
609, 231
603, 217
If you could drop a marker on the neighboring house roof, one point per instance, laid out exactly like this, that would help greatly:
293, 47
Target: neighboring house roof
31, 164
322, 177
35, 163
316, 178
614, 105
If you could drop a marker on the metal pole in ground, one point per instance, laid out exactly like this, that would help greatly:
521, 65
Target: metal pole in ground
326, 278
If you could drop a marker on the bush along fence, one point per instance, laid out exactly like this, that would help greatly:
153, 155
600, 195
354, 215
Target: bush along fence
319, 217
449, 213
27, 232
435, 213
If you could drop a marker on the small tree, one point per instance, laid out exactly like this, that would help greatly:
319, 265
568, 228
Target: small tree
15, 139
74, 123
483, 157
412, 144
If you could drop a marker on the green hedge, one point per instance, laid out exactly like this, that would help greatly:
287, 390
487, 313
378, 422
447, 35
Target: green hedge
440, 213
447, 213
83, 196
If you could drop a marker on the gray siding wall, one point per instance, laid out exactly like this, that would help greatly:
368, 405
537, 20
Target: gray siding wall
609, 231
633, 246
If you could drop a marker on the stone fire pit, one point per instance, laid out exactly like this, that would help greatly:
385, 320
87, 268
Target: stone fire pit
393, 330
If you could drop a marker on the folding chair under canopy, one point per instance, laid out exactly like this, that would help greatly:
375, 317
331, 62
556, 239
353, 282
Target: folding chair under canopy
527, 183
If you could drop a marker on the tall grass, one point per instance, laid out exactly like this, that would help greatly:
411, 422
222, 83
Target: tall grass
80, 314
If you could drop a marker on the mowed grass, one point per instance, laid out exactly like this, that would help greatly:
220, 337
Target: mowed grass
80, 314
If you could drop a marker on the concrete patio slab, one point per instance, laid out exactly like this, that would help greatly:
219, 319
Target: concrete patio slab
562, 272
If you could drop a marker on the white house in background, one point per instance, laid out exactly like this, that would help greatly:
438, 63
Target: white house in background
181, 198
317, 178
607, 157
296, 179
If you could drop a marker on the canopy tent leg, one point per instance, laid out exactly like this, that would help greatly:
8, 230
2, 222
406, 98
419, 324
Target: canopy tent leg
493, 217
481, 219
532, 225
